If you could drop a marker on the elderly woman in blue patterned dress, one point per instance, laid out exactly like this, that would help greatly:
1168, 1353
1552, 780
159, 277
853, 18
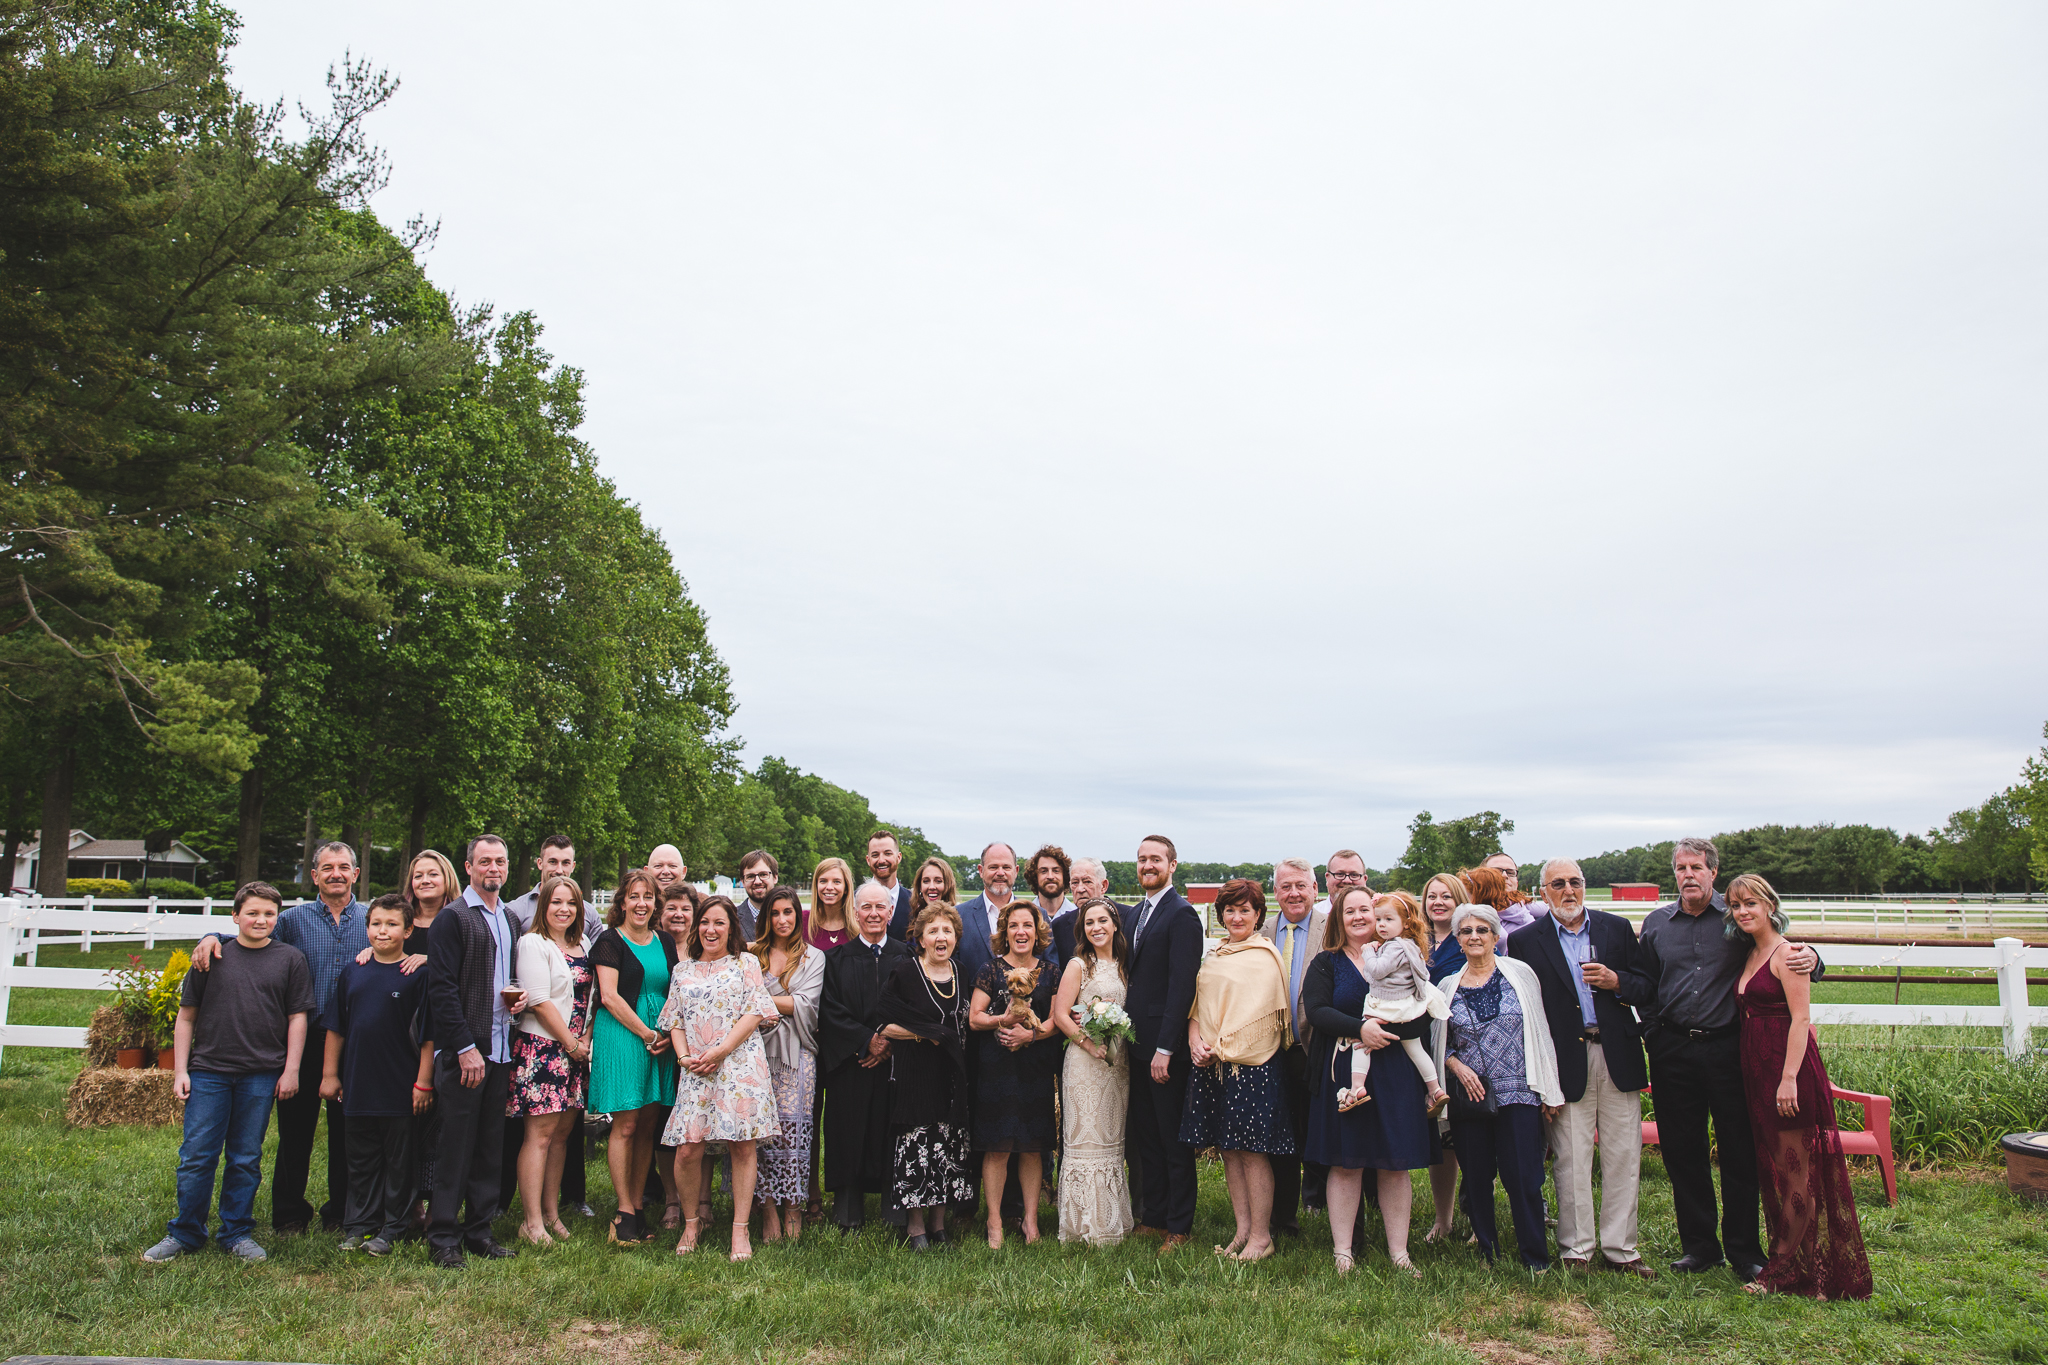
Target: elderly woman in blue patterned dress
1496, 1055
793, 972
724, 1092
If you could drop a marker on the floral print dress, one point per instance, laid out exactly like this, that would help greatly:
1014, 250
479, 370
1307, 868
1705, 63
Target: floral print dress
544, 1079
735, 1103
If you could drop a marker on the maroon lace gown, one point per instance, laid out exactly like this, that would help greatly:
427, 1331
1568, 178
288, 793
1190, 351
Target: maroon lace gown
1816, 1244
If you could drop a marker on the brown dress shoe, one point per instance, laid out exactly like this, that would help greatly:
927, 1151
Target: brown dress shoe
1174, 1242
1636, 1267
1142, 1230
1578, 1263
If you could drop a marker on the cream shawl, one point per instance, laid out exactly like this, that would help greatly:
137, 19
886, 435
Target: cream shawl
1241, 1001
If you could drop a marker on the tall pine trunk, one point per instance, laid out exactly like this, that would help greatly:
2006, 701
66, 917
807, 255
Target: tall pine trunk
17, 811
53, 868
249, 828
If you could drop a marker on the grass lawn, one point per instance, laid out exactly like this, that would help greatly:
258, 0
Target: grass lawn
1962, 1273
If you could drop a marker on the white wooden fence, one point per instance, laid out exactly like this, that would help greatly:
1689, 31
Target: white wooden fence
88, 924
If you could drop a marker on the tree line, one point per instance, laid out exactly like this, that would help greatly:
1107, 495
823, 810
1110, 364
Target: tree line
1998, 845
295, 545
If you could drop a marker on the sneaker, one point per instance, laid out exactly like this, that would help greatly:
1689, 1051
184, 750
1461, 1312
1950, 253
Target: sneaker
377, 1246
353, 1243
247, 1250
169, 1249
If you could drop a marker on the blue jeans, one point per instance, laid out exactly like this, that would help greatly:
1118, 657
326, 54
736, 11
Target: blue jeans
231, 1112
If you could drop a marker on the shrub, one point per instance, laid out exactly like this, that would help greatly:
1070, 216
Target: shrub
97, 886
171, 889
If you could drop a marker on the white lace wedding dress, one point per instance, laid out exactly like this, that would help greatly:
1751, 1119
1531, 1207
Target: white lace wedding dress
1095, 1197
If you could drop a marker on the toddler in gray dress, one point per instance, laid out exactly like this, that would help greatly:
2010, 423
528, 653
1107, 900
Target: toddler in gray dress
1398, 991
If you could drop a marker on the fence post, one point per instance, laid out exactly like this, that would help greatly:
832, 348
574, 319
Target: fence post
85, 937
10, 937
149, 927
2012, 997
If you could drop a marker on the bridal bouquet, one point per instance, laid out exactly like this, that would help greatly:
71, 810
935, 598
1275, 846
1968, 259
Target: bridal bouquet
1105, 1021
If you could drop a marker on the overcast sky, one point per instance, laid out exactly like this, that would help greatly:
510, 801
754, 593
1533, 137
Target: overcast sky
1259, 423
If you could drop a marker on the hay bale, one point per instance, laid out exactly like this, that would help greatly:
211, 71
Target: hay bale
107, 1034
104, 1096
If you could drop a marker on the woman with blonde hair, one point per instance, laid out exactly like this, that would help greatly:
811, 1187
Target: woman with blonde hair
830, 922
1441, 896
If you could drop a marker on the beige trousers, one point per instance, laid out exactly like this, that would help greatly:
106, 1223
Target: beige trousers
1617, 1117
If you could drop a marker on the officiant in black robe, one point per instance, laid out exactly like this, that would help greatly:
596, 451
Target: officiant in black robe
853, 1060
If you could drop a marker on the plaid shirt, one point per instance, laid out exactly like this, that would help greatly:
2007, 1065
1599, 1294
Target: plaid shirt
328, 946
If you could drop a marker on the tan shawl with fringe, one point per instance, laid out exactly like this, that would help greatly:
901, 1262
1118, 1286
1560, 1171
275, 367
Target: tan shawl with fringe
1241, 1001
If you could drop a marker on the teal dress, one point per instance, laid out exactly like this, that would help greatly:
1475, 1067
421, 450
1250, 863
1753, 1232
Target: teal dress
623, 1075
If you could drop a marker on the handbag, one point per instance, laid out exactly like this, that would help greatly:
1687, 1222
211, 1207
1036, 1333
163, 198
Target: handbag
1464, 1109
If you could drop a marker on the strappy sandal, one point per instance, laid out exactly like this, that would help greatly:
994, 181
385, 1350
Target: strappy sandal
1344, 1263
687, 1243
1408, 1268
739, 1235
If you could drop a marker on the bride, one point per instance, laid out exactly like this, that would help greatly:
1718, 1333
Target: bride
1095, 1199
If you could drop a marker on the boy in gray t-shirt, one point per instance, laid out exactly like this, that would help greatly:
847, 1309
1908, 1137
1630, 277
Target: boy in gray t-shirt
241, 1028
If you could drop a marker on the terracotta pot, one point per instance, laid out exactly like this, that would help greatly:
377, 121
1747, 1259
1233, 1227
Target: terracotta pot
128, 1058
167, 1059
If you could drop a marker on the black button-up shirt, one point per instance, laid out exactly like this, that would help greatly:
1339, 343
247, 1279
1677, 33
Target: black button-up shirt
1695, 965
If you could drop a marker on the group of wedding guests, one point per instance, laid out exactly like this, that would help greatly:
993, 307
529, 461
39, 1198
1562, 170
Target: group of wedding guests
935, 1050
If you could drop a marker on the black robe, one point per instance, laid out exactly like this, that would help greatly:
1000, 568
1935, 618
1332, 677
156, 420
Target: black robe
856, 1120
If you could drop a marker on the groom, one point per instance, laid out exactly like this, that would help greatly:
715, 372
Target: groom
1166, 951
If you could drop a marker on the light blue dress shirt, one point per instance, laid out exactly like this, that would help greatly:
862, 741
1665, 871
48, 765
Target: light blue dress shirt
501, 976
1578, 951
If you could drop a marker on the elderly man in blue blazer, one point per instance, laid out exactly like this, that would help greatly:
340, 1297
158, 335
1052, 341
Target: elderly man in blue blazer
1586, 960
1166, 952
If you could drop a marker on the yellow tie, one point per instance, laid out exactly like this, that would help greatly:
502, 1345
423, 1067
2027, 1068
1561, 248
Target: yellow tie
1287, 933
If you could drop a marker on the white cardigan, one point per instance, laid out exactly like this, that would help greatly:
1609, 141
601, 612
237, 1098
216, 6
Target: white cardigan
544, 972
1539, 1054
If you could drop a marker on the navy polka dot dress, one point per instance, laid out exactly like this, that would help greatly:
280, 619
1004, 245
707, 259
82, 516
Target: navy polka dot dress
1238, 1109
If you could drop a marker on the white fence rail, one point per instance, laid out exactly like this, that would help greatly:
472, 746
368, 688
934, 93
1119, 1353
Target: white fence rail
27, 925
24, 925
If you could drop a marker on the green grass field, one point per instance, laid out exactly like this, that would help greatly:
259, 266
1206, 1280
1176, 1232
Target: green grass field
1961, 1267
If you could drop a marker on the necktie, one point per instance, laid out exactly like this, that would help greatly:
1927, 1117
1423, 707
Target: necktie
1144, 918
1287, 933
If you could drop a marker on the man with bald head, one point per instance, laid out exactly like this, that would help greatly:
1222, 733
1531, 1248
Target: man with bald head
853, 1061
1586, 960
666, 865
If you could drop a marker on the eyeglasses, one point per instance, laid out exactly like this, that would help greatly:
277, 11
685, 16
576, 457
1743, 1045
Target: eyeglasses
1560, 883
1474, 930
1347, 876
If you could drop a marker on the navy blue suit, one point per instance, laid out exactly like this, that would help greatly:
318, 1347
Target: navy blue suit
975, 930
1164, 960
899, 923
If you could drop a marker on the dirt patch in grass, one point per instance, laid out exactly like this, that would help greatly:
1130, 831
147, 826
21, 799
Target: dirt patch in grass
1568, 1331
611, 1343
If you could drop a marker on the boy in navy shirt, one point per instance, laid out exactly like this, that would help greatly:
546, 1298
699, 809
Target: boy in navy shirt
240, 1030
382, 1075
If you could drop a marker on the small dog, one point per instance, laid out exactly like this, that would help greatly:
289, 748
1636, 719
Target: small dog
1021, 981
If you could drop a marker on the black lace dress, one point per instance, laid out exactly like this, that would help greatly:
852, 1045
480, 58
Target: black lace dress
928, 1086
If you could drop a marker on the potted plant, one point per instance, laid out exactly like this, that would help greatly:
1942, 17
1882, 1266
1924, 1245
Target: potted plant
132, 986
164, 998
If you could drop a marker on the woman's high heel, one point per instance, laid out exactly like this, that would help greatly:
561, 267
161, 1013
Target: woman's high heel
687, 1243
